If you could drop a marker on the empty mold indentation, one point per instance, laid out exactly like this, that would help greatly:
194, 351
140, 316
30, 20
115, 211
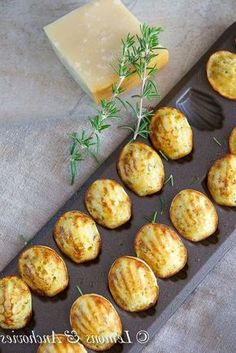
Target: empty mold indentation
201, 109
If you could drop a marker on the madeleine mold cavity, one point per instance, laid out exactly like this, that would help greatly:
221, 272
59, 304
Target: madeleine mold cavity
202, 110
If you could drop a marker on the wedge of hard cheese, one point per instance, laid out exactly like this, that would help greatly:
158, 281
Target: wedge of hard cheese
88, 43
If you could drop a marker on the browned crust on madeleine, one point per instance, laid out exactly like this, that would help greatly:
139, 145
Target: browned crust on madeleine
221, 194
212, 82
30, 277
99, 220
131, 176
104, 304
71, 240
112, 276
165, 139
174, 235
27, 318
190, 216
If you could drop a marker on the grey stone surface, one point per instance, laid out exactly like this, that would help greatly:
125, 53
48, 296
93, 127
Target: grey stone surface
40, 103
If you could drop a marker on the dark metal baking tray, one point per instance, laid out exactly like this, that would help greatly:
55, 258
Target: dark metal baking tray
196, 98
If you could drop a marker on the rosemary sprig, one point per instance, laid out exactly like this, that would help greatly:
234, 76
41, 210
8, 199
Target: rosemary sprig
89, 143
140, 57
137, 55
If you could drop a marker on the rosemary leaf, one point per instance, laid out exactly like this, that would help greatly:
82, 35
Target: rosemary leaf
163, 155
217, 141
152, 219
169, 179
162, 204
79, 290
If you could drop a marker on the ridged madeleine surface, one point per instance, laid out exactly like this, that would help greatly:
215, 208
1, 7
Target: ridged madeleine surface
232, 141
221, 180
95, 321
221, 73
60, 343
171, 133
193, 215
77, 236
161, 248
43, 270
108, 203
15, 303
133, 284
141, 169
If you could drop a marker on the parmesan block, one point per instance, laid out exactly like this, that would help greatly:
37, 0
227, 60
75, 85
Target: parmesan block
88, 43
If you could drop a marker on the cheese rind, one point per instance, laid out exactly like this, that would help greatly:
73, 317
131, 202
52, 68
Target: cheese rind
88, 43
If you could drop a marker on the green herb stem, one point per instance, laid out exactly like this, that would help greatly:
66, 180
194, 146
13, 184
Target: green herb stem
137, 54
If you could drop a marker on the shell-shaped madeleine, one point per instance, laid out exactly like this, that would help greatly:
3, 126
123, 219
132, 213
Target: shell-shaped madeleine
232, 141
161, 248
95, 321
171, 133
141, 168
43, 270
108, 203
221, 180
193, 215
60, 343
77, 236
221, 73
133, 284
15, 303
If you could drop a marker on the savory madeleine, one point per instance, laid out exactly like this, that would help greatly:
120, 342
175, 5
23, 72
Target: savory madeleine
95, 321
43, 270
141, 169
161, 248
133, 284
232, 141
108, 203
171, 133
60, 343
221, 180
193, 215
77, 236
15, 303
221, 73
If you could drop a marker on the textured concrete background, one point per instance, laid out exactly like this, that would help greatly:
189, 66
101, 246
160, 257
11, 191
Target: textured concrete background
40, 103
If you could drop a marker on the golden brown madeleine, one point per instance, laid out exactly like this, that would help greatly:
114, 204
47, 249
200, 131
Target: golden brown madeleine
77, 236
221, 180
221, 73
108, 203
141, 169
232, 141
43, 270
171, 133
193, 215
95, 321
15, 303
60, 343
133, 284
161, 248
